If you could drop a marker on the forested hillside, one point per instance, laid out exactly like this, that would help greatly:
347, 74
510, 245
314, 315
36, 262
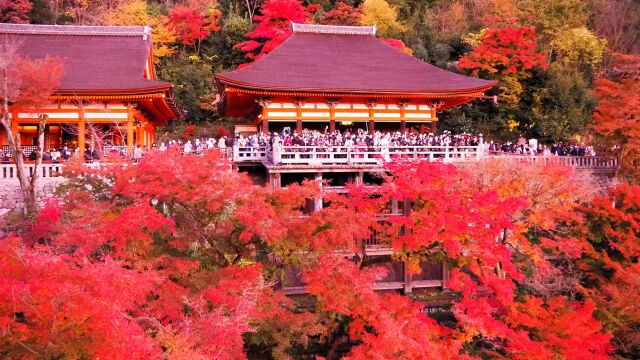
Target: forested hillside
546, 54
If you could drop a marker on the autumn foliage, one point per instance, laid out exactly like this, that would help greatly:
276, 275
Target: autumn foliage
343, 14
273, 26
193, 23
194, 254
506, 54
618, 111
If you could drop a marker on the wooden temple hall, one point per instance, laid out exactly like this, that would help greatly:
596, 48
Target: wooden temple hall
108, 95
337, 77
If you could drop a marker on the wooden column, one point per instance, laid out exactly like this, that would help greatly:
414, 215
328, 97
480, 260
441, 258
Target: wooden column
140, 136
129, 130
299, 103
317, 202
15, 127
331, 102
264, 115
435, 105
371, 104
402, 104
81, 133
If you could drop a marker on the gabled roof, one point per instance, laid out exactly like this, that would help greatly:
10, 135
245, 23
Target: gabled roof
97, 59
346, 59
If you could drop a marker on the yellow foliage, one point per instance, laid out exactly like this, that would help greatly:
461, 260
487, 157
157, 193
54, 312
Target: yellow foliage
136, 12
474, 39
383, 16
552, 191
579, 45
552, 18
510, 90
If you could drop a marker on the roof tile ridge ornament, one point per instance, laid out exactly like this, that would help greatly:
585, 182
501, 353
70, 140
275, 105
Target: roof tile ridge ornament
333, 29
80, 30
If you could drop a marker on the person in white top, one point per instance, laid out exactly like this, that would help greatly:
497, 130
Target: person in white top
55, 155
188, 148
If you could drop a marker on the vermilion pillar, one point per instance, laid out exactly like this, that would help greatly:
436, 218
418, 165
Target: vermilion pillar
15, 127
81, 131
130, 131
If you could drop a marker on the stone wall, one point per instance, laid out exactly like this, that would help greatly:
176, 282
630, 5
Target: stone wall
11, 196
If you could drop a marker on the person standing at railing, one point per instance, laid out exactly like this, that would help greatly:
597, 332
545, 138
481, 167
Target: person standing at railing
137, 154
384, 146
188, 148
55, 156
222, 143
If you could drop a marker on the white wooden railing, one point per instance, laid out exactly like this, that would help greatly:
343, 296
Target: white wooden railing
47, 170
355, 155
580, 162
351, 155
257, 154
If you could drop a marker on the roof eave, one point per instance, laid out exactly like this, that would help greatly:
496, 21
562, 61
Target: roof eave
106, 92
431, 92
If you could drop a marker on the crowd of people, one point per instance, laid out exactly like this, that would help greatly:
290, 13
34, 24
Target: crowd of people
358, 138
533, 147
362, 139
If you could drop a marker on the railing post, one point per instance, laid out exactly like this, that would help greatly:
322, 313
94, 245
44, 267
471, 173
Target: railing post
235, 152
349, 155
276, 153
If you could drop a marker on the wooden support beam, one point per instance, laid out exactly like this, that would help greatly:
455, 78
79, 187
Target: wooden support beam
15, 127
407, 278
81, 132
140, 136
434, 127
130, 130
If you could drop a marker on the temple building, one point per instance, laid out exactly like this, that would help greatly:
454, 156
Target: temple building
109, 86
329, 77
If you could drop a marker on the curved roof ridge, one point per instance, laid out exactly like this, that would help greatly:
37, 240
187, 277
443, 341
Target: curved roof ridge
333, 29
86, 30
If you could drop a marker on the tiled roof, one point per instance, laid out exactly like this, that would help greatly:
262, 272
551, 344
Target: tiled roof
101, 59
329, 59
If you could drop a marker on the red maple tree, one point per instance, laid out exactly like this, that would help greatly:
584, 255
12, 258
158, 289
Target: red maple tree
192, 250
611, 264
343, 14
193, 24
274, 26
506, 54
618, 111
15, 11
26, 83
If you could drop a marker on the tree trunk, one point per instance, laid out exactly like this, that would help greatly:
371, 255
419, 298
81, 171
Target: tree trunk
28, 194
32, 205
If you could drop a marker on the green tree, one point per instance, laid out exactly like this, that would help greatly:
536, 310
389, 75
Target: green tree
192, 77
556, 104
